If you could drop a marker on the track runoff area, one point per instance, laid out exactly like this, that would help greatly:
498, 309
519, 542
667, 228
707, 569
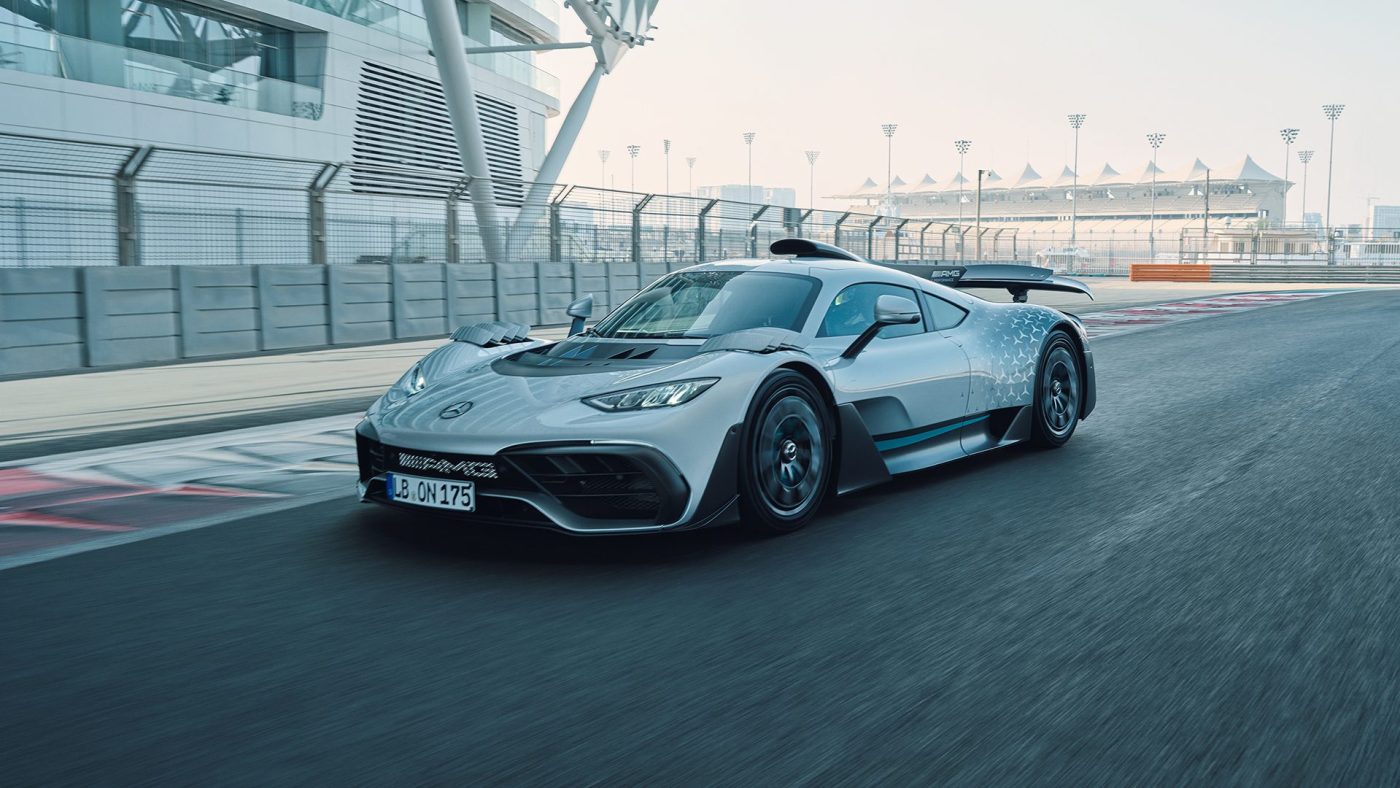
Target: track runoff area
71, 503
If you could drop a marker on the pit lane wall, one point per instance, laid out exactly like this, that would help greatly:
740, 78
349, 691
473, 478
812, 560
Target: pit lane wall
1310, 274
66, 318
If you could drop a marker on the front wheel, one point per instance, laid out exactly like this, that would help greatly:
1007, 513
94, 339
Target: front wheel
785, 461
1059, 391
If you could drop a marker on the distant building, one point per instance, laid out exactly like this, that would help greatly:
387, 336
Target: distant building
1312, 219
782, 196
1385, 221
1105, 200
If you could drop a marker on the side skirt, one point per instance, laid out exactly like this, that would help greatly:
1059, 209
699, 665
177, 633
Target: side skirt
860, 464
1003, 427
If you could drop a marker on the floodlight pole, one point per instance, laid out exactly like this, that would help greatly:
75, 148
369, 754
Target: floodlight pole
1154, 139
1075, 121
812, 177
889, 129
980, 173
748, 140
666, 151
603, 158
1332, 111
1205, 217
962, 147
1288, 135
1305, 156
690, 166
632, 151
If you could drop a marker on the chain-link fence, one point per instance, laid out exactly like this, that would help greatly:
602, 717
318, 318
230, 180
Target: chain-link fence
85, 204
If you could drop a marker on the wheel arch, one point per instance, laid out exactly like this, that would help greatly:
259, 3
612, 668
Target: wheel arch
857, 462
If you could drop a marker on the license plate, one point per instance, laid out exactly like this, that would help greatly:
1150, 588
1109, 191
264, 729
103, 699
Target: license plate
437, 493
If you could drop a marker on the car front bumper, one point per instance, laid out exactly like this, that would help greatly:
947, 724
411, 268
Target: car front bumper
579, 487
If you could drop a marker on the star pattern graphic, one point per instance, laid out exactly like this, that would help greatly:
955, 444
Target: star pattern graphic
1006, 348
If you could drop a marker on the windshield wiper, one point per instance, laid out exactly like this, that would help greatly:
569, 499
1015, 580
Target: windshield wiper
655, 335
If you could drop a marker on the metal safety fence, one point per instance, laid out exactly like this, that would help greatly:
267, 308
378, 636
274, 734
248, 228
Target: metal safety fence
70, 203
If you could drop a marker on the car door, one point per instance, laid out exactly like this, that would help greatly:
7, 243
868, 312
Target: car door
910, 384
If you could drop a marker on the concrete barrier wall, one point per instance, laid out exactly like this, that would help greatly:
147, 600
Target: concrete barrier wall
131, 315
41, 319
58, 319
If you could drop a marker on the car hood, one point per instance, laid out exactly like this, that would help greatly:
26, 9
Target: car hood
503, 391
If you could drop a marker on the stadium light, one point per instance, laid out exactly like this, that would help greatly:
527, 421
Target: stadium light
632, 151
1075, 121
812, 176
889, 129
1155, 139
603, 157
1332, 111
690, 164
748, 140
1305, 156
666, 151
1289, 137
963, 146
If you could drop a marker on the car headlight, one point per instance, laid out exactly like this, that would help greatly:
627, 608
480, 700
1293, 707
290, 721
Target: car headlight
664, 395
411, 383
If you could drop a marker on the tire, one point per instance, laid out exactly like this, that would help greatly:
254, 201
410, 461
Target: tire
786, 455
1059, 392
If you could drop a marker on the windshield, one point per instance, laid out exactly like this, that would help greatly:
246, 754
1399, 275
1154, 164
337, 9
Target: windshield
700, 304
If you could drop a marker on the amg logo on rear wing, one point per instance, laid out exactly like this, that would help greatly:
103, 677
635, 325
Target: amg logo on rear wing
1016, 279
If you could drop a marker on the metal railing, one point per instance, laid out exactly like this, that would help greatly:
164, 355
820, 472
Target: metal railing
89, 204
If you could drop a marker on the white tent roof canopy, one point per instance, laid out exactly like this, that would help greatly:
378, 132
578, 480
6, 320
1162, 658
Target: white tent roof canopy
1109, 176
925, 184
1066, 177
1146, 176
1029, 177
1245, 170
869, 187
1195, 172
956, 183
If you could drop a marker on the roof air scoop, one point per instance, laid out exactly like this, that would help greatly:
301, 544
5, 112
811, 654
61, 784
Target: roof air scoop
801, 247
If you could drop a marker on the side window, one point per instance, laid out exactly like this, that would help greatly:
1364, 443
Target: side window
853, 310
941, 314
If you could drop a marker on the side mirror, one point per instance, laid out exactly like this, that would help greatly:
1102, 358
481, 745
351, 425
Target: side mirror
580, 311
893, 310
890, 310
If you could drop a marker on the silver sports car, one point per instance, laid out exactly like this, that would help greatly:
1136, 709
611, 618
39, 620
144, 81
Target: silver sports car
742, 389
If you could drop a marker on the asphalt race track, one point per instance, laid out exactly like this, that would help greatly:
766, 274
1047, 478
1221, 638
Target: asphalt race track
1201, 587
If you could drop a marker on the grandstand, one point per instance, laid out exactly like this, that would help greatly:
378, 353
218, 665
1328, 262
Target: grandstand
1113, 207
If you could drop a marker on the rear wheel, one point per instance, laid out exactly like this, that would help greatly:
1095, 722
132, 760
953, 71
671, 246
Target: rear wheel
1059, 392
785, 463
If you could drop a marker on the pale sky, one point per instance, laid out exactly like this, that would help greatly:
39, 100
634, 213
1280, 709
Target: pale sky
1219, 78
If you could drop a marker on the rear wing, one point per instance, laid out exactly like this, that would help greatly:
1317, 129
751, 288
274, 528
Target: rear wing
1017, 279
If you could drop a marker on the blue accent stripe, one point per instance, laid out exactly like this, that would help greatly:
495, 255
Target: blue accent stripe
919, 437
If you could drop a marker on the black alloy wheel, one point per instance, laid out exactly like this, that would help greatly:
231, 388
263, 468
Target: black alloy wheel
1059, 391
786, 460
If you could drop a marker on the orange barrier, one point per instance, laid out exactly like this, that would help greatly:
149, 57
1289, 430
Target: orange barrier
1154, 272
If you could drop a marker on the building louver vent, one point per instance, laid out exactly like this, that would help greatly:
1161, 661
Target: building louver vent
401, 123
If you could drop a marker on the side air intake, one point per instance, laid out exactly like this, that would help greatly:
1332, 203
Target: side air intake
801, 247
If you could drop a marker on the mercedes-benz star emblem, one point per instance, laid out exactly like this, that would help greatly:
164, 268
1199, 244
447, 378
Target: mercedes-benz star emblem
455, 409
